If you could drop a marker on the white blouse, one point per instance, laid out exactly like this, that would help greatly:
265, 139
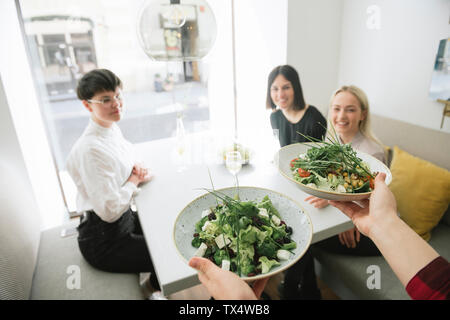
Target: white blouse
100, 163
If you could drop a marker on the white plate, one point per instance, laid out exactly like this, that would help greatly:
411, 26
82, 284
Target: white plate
290, 211
286, 154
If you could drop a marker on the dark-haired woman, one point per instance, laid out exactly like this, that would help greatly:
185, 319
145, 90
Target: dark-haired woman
104, 168
290, 112
292, 115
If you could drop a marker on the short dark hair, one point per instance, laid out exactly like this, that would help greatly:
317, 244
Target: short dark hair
95, 81
291, 75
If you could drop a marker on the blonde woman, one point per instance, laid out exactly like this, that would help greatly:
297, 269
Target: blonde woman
349, 115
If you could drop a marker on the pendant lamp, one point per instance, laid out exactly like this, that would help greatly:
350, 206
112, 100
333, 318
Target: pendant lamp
176, 30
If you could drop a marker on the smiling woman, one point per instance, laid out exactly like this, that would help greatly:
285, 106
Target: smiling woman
290, 112
350, 117
290, 116
346, 115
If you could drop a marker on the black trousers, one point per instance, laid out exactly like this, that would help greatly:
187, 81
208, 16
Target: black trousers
300, 280
115, 247
365, 247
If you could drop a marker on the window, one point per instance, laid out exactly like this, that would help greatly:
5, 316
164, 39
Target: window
70, 38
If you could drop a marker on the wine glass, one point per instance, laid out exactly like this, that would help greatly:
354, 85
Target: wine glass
180, 144
233, 162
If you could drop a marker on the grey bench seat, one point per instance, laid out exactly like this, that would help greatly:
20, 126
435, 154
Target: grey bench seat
347, 275
59, 259
34, 264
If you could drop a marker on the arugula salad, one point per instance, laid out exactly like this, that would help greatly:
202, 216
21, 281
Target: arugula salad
333, 167
248, 238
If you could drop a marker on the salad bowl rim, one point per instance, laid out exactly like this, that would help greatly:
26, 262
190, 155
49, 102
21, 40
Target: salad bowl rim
277, 269
349, 195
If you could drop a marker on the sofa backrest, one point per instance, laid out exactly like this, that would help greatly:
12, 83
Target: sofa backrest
427, 144
19, 215
446, 218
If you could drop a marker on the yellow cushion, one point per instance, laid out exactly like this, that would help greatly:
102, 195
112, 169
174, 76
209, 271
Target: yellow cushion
422, 191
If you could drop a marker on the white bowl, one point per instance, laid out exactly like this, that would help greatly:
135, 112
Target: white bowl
290, 211
283, 160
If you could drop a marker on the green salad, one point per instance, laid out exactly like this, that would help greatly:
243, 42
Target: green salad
332, 166
248, 238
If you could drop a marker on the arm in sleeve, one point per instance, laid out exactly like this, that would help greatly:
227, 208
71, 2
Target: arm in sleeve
319, 129
432, 282
108, 197
274, 120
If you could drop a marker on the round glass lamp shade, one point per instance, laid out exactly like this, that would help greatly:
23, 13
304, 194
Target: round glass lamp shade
176, 30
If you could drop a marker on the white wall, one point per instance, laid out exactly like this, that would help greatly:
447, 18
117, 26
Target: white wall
394, 64
19, 214
261, 41
330, 45
314, 32
12, 160
15, 73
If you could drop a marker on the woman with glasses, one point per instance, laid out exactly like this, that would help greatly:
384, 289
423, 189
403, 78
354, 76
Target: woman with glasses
105, 170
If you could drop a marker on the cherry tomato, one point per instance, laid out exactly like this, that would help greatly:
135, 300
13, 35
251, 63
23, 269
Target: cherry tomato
303, 173
292, 162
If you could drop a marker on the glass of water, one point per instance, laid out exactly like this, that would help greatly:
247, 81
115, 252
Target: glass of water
233, 162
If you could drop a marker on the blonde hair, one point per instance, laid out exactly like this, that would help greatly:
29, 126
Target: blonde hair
364, 125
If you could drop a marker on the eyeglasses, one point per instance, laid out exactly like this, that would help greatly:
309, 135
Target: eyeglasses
107, 101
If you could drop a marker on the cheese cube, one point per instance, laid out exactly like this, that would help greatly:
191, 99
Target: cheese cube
341, 188
283, 254
263, 213
205, 225
226, 265
201, 250
205, 212
276, 220
222, 241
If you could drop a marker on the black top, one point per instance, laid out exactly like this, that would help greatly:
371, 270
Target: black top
308, 125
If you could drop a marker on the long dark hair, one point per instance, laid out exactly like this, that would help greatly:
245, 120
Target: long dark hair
291, 75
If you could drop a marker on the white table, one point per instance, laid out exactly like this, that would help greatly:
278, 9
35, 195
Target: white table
162, 199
